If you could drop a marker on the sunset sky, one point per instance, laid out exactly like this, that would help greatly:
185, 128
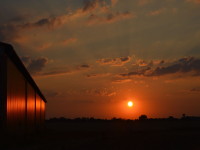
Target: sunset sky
90, 57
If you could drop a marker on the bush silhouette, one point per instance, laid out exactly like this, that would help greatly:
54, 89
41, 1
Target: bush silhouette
143, 117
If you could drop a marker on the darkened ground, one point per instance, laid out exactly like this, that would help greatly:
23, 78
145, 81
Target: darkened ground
111, 135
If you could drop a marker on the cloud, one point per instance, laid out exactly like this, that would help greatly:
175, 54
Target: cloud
98, 75
68, 41
145, 63
120, 61
194, 1
120, 81
90, 5
156, 12
142, 63
109, 18
49, 22
84, 66
100, 92
183, 66
65, 71
36, 65
138, 72
91, 12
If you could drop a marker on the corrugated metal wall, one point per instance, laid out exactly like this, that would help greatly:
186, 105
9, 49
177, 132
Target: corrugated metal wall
30, 107
25, 108
16, 96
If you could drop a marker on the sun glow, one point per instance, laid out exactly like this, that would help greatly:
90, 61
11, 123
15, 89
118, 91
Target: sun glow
130, 104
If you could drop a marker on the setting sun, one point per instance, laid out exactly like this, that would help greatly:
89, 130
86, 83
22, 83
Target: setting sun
130, 104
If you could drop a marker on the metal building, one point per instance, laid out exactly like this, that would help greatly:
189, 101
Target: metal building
22, 105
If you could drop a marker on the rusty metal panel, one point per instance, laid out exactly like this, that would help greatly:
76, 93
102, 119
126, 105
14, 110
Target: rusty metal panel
30, 106
16, 96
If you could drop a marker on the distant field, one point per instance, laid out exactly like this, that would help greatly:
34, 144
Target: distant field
117, 135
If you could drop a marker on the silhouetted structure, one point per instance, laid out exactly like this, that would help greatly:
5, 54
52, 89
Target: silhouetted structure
22, 105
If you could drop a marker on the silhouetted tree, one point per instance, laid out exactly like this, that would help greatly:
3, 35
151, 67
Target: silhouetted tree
183, 116
143, 117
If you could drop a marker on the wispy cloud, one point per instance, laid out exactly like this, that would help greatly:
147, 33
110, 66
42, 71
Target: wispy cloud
91, 12
97, 75
36, 65
109, 18
156, 12
120, 61
120, 81
65, 71
69, 41
100, 92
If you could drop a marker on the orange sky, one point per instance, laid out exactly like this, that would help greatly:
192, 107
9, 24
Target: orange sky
90, 57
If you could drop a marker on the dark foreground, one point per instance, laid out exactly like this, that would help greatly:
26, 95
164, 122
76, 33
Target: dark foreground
111, 135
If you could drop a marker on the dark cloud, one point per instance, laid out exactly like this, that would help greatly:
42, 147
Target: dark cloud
120, 61
136, 72
84, 66
13, 29
183, 65
50, 22
36, 65
89, 5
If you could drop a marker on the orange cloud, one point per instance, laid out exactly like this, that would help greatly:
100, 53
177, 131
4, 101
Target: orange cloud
120, 61
98, 75
68, 41
120, 81
97, 10
65, 71
156, 12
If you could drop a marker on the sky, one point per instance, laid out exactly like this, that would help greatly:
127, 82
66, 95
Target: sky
90, 57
